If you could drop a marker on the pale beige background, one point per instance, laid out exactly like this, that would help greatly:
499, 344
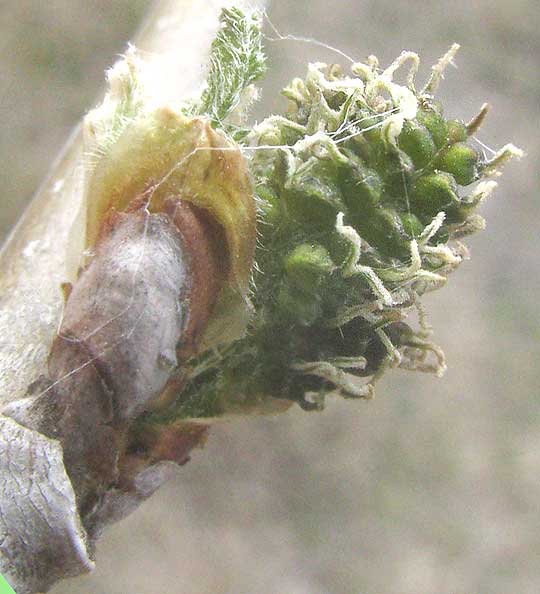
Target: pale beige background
435, 485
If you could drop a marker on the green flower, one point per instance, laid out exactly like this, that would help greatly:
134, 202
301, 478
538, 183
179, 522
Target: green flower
362, 189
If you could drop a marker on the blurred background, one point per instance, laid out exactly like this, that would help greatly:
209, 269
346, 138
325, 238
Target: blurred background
435, 485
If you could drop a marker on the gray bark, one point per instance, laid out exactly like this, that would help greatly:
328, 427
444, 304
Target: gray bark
41, 536
61, 480
61, 463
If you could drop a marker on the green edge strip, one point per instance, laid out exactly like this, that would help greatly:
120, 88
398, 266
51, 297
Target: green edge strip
5, 588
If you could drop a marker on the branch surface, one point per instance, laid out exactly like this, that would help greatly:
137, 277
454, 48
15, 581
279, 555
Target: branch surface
65, 465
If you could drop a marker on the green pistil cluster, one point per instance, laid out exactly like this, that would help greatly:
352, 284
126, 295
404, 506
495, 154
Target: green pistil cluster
362, 189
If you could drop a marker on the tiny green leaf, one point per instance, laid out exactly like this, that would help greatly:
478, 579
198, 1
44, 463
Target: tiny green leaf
236, 61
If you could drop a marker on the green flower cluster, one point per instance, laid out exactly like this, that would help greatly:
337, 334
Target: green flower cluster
363, 188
